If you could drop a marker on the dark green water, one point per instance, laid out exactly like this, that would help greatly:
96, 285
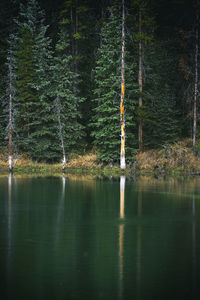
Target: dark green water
86, 239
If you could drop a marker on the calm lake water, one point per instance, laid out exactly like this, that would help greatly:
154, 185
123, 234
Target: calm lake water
64, 238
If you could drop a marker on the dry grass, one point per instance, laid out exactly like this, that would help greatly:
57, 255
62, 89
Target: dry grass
178, 156
25, 164
87, 161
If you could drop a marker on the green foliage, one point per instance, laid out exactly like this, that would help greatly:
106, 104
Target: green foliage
36, 123
77, 36
25, 79
106, 121
44, 76
64, 89
64, 21
142, 114
2, 134
160, 98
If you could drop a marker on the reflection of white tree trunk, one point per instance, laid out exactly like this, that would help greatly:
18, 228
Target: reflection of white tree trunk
9, 232
121, 236
9, 209
60, 209
122, 189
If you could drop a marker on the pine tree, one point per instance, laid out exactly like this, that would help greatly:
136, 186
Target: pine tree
161, 115
72, 14
8, 10
143, 37
189, 66
25, 79
44, 140
9, 102
66, 99
106, 121
11, 94
80, 18
36, 119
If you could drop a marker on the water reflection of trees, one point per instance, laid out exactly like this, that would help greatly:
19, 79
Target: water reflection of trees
121, 235
9, 234
180, 187
139, 245
137, 242
60, 211
194, 258
112, 243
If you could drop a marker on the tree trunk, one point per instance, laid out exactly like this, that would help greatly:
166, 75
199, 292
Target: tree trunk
122, 155
10, 130
60, 132
195, 88
140, 82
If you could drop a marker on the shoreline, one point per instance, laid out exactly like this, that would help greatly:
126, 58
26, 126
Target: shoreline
178, 159
56, 170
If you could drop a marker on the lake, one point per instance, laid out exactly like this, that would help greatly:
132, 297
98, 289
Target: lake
79, 238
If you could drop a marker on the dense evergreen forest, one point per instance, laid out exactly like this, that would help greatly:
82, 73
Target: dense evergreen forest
61, 76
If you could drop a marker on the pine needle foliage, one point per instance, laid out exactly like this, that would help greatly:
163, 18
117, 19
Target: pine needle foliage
25, 79
162, 124
106, 119
65, 82
38, 136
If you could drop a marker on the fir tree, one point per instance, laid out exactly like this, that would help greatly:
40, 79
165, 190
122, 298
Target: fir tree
142, 25
161, 115
25, 78
36, 121
8, 10
66, 99
11, 97
44, 139
106, 121
8, 98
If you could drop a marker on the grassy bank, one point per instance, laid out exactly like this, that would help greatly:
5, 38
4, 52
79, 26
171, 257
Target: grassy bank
178, 158
79, 164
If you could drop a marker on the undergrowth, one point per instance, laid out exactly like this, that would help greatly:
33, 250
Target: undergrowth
177, 158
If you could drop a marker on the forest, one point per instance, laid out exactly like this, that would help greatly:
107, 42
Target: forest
83, 75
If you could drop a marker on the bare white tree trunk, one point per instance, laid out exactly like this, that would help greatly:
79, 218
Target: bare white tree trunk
11, 92
10, 130
60, 131
122, 155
